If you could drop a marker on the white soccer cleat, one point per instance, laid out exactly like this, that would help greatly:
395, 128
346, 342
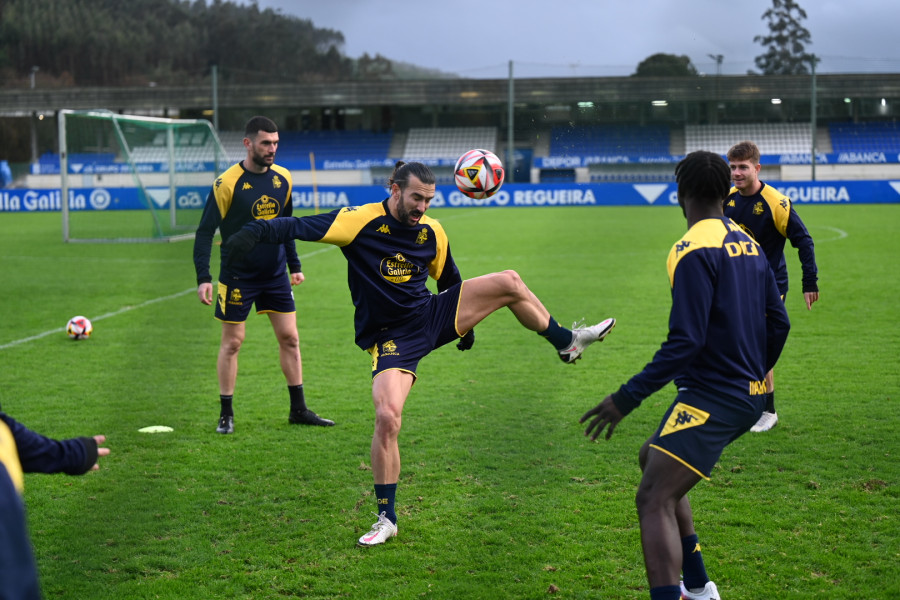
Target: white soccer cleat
767, 421
709, 592
382, 530
582, 337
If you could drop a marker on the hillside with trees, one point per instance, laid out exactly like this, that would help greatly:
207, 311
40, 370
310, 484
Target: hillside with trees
169, 42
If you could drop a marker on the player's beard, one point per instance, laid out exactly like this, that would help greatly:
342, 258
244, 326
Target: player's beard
263, 160
406, 215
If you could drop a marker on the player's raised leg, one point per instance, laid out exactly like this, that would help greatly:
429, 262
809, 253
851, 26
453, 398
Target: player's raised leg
484, 295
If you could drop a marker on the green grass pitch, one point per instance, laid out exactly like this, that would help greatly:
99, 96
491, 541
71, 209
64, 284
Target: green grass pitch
501, 496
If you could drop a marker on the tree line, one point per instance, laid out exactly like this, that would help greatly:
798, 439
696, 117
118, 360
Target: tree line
169, 42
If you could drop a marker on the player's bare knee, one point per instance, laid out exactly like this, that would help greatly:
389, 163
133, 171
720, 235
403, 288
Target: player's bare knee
387, 423
231, 345
289, 342
512, 283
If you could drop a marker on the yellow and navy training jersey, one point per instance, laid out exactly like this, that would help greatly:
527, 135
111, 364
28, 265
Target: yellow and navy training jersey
388, 263
24, 451
768, 216
727, 324
237, 197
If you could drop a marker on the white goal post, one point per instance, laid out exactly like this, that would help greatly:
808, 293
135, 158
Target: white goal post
130, 178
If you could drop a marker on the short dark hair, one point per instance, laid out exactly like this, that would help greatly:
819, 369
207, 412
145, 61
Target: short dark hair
703, 176
403, 171
744, 151
257, 124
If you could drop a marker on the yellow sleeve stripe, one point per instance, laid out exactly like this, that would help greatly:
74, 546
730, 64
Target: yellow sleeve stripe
708, 233
350, 221
224, 187
436, 266
780, 205
286, 175
9, 457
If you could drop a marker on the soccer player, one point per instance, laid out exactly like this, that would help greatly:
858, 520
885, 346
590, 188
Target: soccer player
255, 188
769, 218
392, 248
24, 451
727, 327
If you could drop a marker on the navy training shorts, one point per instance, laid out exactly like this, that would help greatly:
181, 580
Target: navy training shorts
234, 298
700, 423
403, 347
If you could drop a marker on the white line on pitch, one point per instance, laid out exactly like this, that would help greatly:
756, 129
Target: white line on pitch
129, 308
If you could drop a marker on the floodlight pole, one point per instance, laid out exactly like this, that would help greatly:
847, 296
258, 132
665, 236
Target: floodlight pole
215, 96
510, 133
812, 119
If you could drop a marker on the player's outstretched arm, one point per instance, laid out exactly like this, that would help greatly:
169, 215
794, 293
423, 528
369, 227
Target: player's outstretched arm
605, 413
242, 241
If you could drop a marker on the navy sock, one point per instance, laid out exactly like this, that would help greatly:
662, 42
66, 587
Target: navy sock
298, 402
559, 336
770, 402
226, 410
665, 592
384, 499
692, 563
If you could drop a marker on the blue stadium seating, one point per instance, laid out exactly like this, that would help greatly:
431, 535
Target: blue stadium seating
334, 145
865, 137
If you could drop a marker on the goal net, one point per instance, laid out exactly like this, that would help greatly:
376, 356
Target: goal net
127, 178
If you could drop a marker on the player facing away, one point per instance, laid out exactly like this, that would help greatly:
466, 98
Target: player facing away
25, 451
392, 248
769, 217
255, 188
727, 327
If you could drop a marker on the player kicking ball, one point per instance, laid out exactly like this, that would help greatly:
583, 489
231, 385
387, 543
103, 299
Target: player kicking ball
392, 248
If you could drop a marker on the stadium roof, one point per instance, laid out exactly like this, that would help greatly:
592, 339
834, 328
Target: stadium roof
458, 92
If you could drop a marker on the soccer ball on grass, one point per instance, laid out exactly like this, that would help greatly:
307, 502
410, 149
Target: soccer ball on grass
79, 328
479, 174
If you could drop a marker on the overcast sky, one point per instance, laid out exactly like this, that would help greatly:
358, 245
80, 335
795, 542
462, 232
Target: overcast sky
594, 38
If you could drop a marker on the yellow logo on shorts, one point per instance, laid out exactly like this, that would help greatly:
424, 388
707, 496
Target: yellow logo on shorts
389, 347
235, 297
684, 417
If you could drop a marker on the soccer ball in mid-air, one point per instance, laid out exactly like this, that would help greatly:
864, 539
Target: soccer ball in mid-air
479, 174
79, 328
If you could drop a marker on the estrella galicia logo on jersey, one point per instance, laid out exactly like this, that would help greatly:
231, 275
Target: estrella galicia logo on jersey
681, 246
265, 207
389, 347
247, 186
758, 208
397, 269
276, 182
384, 229
684, 417
423, 236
